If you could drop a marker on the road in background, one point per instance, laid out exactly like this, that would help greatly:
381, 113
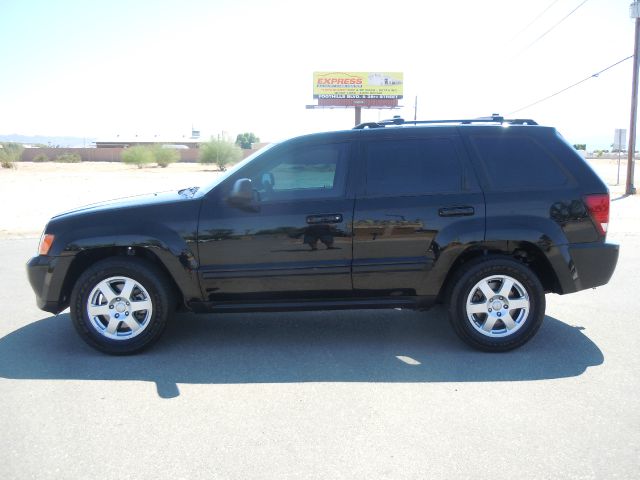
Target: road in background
369, 394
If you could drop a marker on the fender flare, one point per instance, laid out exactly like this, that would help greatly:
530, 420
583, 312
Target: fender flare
169, 248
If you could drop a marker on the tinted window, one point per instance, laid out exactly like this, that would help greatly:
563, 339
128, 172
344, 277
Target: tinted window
304, 172
518, 162
412, 167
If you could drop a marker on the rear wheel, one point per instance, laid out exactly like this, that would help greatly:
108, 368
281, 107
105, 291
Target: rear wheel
496, 304
121, 305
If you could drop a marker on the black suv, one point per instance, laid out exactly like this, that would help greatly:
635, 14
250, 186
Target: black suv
486, 215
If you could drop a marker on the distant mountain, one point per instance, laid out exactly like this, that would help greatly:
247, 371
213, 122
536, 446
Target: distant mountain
52, 141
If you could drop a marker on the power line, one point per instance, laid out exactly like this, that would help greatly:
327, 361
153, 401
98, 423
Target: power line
571, 86
548, 31
534, 20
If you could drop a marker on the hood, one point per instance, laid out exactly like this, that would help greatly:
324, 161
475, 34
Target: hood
133, 201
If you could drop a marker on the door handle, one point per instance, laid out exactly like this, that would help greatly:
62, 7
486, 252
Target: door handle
324, 218
463, 211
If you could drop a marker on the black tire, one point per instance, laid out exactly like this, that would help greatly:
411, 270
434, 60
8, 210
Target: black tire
477, 329
150, 286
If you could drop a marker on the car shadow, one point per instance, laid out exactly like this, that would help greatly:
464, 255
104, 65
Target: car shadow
356, 346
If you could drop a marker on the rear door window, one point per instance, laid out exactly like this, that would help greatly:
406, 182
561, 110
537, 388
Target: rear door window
412, 167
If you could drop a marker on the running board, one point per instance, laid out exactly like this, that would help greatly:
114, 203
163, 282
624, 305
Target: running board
297, 306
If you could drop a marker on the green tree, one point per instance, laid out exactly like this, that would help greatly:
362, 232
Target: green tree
138, 155
580, 146
10, 153
245, 140
165, 156
220, 152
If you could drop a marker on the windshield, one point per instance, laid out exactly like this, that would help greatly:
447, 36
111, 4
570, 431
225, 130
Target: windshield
223, 176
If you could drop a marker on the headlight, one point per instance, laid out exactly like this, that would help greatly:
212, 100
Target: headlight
46, 240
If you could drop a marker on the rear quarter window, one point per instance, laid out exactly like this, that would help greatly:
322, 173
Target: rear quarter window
518, 162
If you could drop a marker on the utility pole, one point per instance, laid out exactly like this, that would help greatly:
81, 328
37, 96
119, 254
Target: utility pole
634, 12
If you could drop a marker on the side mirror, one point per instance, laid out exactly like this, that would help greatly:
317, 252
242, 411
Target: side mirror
242, 195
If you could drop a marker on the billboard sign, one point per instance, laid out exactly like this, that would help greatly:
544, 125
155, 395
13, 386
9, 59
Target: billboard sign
357, 85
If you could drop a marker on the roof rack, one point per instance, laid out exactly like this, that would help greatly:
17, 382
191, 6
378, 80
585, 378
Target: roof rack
495, 118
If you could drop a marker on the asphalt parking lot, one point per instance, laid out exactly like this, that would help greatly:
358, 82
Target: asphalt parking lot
369, 394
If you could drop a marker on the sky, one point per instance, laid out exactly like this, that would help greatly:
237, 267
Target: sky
107, 68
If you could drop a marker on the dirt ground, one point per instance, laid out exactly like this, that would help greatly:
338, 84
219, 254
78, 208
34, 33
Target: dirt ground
34, 192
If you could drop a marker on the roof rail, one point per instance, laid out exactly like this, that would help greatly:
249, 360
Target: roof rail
495, 118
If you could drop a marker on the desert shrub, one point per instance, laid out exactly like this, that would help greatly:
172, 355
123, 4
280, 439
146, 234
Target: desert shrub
165, 156
220, 152
41, 157
138, 155
68, 158
6, 161
10, 153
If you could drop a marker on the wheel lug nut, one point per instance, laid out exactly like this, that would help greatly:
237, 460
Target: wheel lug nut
111, 307
117, 315
489, 310
127, 304
506, 307
118, 299
126, 314
499, 314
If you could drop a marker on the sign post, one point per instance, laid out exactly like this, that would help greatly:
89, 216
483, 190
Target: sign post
619, 140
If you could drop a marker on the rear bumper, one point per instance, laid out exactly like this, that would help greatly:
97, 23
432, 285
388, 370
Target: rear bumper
584, 265
593, 264
46, 276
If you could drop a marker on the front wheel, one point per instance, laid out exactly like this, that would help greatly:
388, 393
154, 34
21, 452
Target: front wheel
496, 304
121, 305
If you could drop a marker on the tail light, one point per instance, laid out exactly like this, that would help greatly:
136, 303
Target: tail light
598, 206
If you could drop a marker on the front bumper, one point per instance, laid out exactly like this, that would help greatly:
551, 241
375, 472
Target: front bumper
46, 276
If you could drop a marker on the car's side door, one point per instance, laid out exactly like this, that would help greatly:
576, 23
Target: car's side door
295, 238
421, 205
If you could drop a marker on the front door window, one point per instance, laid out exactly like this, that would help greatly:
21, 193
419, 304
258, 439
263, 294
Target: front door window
303, 173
